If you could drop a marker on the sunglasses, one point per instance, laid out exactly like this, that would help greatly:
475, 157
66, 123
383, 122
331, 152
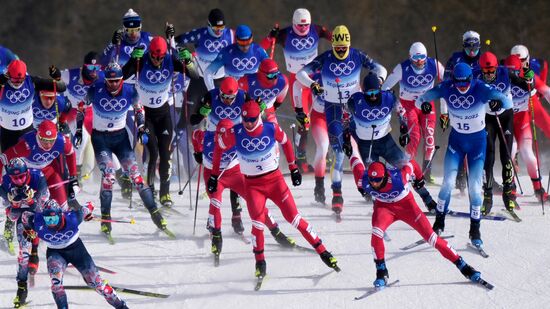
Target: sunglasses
217, 28
93, 67
132, 30
113, 81
419, 57
462, 84
157, 58
490, 70
372, 92
47, 140
272, 75
302, 25
250, 119
340, 49
376, 179
244, 42
51, 220
17, 80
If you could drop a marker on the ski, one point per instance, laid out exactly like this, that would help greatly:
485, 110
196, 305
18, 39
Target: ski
102, 269
109, 237
31, 280
422, 241
21, 305
512, 214
373, 290
119, 289
485, 284
478, 249
170, 234
216, 260
461, 214
259, 282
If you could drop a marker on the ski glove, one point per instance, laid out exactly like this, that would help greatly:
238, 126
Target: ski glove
212, 185
419, 183
74, 187
528, 75
117, 37
261, 103
348, 150
205, 110
29, 234
295, 175
426, 108
198, 157
495, 105
302, 118
444, 121
170, 31
316, 88
137, 53
54, 72
77, 138
185, 55
274, 31
143, 136
87, 211
404, 138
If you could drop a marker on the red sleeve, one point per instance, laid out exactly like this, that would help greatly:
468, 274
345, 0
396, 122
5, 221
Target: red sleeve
323, 32
280, 136
222, 142
282, 95
243, 83
21, 149
70, 155
266, 43
411, 169
197, 138
544, 71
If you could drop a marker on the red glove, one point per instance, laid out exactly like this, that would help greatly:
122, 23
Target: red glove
197, 139
87, 211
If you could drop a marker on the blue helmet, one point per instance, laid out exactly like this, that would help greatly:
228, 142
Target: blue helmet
18, 171
52, 213
462, 73
243, 33
371, 81
113, 71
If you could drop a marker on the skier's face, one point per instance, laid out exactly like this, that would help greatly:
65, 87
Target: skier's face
372, 95
113, 85
376, 183
91, 70
489, 74
156, 60
132, 34
46, 143
19, 179
47, 98
244, 45
217, 31
250, 122
418, 61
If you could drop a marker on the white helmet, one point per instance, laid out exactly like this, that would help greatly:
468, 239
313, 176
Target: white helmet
470, 36
418, 55
301, 17
521, 51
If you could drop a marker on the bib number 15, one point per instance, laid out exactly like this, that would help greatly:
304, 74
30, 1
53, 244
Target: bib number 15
463, 126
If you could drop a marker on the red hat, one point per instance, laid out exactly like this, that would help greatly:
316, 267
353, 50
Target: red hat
47, 130
224, 125
513, 62
376, 171
229, 86
158, 47
268, 66
17, 69
251, 109
488, 60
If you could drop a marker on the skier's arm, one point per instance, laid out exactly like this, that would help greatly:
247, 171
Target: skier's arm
211, 71
190, 37
41, 83
282, 95
375, 67
139, 111
42, 193
412, 170
303, 75
282, 138
398, 108
21, 149
189, 68
497, 95
323, 32
202, 111
394, 77
542, 88
130, 68
430, 95
70, 155
222, 141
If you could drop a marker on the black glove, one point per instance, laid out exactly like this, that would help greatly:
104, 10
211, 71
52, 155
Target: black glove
316, 88
295, 176
73, 187
495, 105
170, 31
64, 128
404, 138
419, 183
77, 138
117, 37
274, 31
198, 157
301, 116
426, 108
212, 185
54, 72
362, 192
348, 150
29, 234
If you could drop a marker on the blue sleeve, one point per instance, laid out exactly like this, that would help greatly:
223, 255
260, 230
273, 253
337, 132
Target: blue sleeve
215, 65
191, 37
108, 54
433, 94
262, 54
497, 95
315, 65
366, 61
4, 189
90, 95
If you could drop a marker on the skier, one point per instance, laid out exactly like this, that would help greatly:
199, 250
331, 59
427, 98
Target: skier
300, 44
6, 56
59, 230
393, 200
415, 76
370, 112
110, 102
49, 105
237, 59
466, 100
522, 100
23, 190
340, 74
256, 144
155, 73
269, 85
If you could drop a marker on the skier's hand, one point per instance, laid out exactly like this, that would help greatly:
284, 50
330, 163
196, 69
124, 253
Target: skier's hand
426, 108
198, 157
444, 121
185, 55
117, 37
170, 31
212, 185
197, 138
73, 187
205, 110
316, 88
528, 75
54, 72
64, 129
143, 135
301, 117
419, 183
495, 105
87, 211
404, 137
274, 31
77, 138
348, 150
261, 103
138, 52
295, 175
29, 234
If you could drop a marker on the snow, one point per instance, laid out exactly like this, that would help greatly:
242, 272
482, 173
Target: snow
146, 259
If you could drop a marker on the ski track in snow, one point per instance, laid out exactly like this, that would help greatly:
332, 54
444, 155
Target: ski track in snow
145, 259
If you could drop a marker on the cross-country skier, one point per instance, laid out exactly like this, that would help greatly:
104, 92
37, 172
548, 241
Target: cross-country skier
393, 201
415, 76
52, 106
110, 101
59, 230
340, 70
256, 143
466, 99
300, 44
23, 189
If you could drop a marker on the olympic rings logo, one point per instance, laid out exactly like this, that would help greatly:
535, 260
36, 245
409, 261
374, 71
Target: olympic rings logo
79, 89
256, 143
59, 237
266, 93
461, 101
157, 77
342, 68
129, 49
227, 112
375, 113
112, 104
43, 114
385, 195
45, 157
517, 92
226, 156
500, 86
303, 43
244, 63
420, 80
18, 96
215, 46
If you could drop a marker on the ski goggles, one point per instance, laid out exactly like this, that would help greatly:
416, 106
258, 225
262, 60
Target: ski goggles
244, 42
419, 57
51, 220
218, 28
17, 81
47, 140
462, 84
272, 75
113, 80
250, 119
228, 97
489, 70
157, 58
132, 30
340, 49
18, 179
45, 93
372, 92
93, 67
471, 51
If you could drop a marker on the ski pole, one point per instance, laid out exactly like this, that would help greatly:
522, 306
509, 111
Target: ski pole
134, 138
434, 29
273, 44
429, 165
531, 107
293, 128
197, 198
508, 153
369, 160
131, 221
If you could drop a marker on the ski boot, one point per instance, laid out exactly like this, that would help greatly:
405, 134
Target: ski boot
217, 242
261, 267
21, 296
475, 234
106, 226
166, 200
319, 190
439, 224
487, 202
381, 274
337, 200
541, 195
157, 218
125, 184
8, 235
303, 166
509, 198
468, 271
329, 260
237, 223
282, 239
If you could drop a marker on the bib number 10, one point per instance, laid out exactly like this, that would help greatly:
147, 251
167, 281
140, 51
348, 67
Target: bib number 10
19, 122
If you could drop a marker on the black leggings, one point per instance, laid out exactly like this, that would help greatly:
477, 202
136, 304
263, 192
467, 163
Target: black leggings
493, 131
159, 123
9, 138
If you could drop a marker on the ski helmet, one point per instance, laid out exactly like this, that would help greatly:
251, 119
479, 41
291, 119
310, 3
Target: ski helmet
216, 22
113, 71
377, 172
418, 55
471, 43
341, 42
371, 87
158, 47
301, 21
521, 51
268, 71
52, 214
131, 19
90, 66
17, 70
18, 171
488, 60
243, 33
251, 111
47, 134
224, 125
513, 63
462, 76
228, 90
